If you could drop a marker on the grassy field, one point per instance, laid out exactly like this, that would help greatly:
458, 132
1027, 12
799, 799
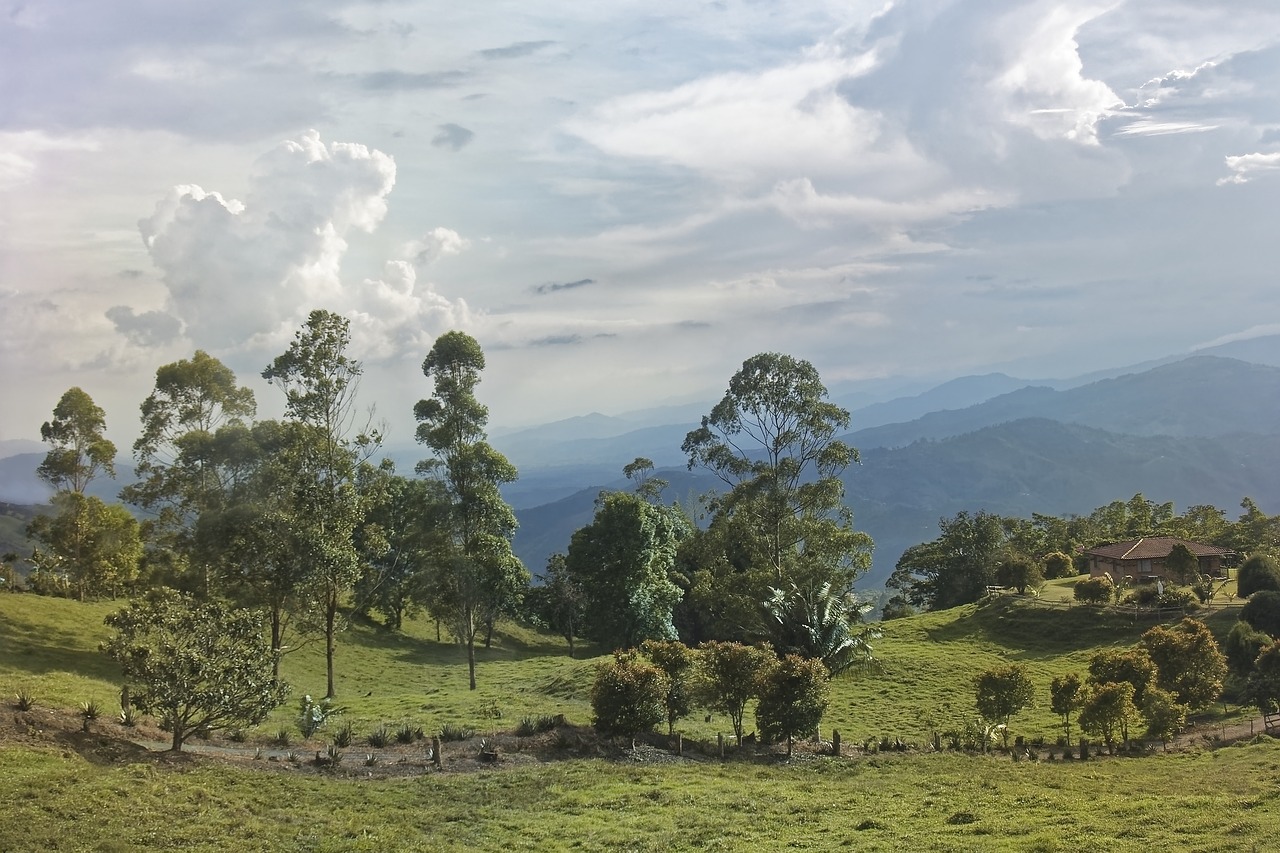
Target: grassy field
1219, 799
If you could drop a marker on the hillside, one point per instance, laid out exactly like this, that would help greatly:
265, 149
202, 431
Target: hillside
1198, 396
558, 793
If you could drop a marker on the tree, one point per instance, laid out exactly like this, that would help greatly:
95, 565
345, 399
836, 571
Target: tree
823, 626
1058, 565
1065, 697
320, 383
1165, 715
1242, 647
1108, 712
479, 577
1132, 666
1002, 692
1259, 572
793, 696
190, 456
1182, 564
96, 546
897, 607
1263, 684
676, 660
957, 567
1188, 662
1095, 590
623, 561
727, 674
627, 696
78, 450
640, 472
411, 523
559, 602
196, 665
1019, 572
771, 440
1262, 612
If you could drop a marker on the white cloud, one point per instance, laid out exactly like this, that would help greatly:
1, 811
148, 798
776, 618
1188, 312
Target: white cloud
1246, 167
236, 271
435, 244
20, 153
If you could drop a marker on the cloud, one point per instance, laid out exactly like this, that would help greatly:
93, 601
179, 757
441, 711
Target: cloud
21, 152
1246, 167
554, 287
513, 51
386, 81
452, 136
149, 329
396, 314
435, 244
235, 270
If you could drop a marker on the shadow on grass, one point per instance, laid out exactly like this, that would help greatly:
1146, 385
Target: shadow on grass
39, 648
1032, 632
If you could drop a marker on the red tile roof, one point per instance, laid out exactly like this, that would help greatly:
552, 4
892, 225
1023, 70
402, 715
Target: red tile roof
1154, 548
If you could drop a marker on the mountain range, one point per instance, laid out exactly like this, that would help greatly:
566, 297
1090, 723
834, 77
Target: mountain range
1203, 429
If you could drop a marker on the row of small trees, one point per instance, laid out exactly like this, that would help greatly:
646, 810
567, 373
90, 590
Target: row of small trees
1169, 673
663, 681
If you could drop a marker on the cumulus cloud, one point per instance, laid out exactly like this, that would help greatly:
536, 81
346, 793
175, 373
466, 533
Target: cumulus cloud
1246, 167
235, 270
435, 244
242, 274
148, 329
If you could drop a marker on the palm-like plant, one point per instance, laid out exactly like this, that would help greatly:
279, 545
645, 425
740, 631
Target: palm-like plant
824, 625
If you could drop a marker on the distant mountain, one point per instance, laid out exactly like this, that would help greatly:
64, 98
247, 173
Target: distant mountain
1031, 465
20, 485
15, 446
1201, 395
956, 394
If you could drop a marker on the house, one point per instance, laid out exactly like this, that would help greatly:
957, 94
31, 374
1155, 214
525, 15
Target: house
1144, 559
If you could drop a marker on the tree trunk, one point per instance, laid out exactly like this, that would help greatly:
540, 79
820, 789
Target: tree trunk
330, 617
470, 625
488, 633
177, 737
276, 642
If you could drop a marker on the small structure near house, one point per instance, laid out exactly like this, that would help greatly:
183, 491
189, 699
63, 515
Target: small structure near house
1144, 559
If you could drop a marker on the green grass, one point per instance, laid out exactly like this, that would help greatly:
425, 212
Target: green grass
1203, 800
1220, 801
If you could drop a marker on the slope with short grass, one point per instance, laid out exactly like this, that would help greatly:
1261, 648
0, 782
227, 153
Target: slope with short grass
1200, 799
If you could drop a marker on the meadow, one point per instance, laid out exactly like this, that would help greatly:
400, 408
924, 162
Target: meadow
1203, 796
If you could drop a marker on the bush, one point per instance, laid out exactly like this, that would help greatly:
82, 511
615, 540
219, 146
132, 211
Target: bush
1094, 590
676, 661
313, 715
379, 737
1260, 572
1057, 565
792, 698
1242, 647
23, 700
405, 734
1262, 612
628, 696
344, 735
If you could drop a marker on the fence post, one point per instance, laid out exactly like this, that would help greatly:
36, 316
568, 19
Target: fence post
435, 752
835, 742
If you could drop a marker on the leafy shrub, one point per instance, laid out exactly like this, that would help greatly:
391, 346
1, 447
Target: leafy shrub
1242, 647
128, 718
23, 700
1058, 565
628, 696
313, 715
344, 734
282, 738
89, 710
1094, 590
404, 734
1262, 612
793, 696
1259, 572
379, 737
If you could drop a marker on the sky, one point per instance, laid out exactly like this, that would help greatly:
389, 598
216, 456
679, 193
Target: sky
622, 201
